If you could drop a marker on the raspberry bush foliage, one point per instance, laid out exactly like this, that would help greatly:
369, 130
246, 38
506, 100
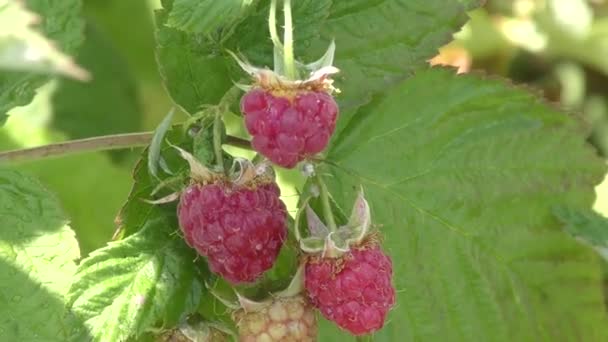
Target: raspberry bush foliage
238, 221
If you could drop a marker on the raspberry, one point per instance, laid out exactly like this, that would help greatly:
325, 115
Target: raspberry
285, 319
355, 291
239, 229
288, 130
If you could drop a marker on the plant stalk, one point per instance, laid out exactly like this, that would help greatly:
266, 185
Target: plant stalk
327, 212
272, 24
289, 61
217, 141
94, 144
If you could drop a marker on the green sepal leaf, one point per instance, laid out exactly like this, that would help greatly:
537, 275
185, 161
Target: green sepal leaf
154, 158
37, 261
131, 286
312, 244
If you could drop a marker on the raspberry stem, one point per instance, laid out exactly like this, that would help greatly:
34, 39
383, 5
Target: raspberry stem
94, 144
290, 67
272, 25
217, 141
324, 194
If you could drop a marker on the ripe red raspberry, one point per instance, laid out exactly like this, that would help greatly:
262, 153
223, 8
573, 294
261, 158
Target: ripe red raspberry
285, 319
239, 229
287, 130
355, 291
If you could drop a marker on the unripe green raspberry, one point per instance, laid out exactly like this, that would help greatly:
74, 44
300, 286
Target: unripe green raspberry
290, 319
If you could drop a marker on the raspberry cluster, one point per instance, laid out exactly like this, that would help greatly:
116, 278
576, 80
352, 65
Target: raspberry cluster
241, 228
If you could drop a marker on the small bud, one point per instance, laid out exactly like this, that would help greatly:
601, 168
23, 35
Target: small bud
308, 170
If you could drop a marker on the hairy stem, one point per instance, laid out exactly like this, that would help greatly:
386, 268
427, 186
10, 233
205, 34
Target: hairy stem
94, 144
272, 24
217, 141
238, 142
290, 66
324, 194
232, 96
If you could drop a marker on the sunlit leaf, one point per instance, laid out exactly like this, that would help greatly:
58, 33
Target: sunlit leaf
37, 260
463, 191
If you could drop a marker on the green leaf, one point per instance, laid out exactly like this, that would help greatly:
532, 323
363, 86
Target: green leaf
137, 47
37, 254
587, 226
472, 4
379, 43
108, 104
206, 16
62, 25
193, 68
134, 284
463, 191
80, 181
92, 195
136, 212
23, 48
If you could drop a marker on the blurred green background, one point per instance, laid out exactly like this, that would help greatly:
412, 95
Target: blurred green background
557, 47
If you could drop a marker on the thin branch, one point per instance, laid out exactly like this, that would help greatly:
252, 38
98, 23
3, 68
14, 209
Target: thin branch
324, 193
238, 142
102, 143
290, 65
94, 144
217, 141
